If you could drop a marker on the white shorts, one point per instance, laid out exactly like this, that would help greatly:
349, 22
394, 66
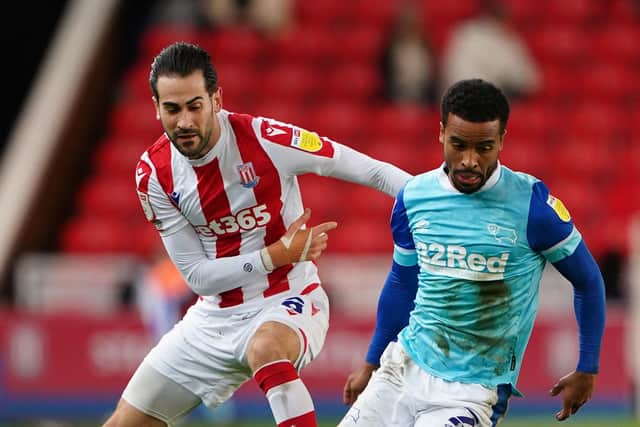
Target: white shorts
400, 393
205, 353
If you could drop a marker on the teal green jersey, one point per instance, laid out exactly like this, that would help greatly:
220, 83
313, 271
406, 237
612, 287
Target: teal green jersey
480, 257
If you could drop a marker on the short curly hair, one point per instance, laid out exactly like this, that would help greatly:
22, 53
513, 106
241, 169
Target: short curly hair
475, 100
182, 59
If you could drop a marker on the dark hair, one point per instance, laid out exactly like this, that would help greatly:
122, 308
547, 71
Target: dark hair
475, 100
182, 59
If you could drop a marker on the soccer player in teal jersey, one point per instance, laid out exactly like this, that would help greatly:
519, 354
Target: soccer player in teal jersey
471, 240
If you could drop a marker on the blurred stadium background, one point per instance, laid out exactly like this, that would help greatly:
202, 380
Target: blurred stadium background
79, 113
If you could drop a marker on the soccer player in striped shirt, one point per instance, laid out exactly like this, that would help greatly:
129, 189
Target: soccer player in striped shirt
222, 191
471, 240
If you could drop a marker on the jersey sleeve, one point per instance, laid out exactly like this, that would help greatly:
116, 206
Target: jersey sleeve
297, 151
550, 229
404, 250
156, 205
210, 276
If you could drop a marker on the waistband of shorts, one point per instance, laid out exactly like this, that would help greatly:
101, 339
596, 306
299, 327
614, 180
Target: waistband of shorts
256, 304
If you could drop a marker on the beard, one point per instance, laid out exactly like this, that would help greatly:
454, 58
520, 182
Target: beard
190, 142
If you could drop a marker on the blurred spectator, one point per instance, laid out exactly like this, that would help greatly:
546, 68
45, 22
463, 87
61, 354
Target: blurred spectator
408, 67
161, 295
488, 47
268, 17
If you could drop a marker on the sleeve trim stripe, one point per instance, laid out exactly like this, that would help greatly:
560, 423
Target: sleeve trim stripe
564, 247
404, 251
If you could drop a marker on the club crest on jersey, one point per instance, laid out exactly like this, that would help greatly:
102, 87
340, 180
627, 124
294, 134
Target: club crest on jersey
248, 177
503, 235
306, 141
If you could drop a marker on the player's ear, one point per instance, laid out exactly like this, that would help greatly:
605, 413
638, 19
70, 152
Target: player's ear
441, 135
155, 104
501, 142
216, 99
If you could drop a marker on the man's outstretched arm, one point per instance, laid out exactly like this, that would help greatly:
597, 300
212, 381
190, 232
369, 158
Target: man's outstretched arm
589, 303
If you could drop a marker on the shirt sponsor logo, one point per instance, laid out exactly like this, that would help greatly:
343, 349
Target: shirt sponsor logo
248, 177
306, 141
244, 220
559, 207
175, 197
454, 261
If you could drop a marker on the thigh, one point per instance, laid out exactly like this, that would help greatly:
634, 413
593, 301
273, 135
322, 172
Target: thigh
308, 316
199, 354
157, 396
384, 401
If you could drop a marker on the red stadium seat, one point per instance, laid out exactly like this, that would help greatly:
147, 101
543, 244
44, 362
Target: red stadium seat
560, 45
353, 83
609, 83
118, 156
144, 239
618, 45
291, 83
93, 235
406, 122
361, 45
159, 36
135, 118
574, 13
135, 83
622, 12
525, 12
314, 191
109, 197
239, 45
596, 121
362, 236
324, 12
580, 158
240, 83
525, 154
342, 122
314, 45
376, 13
532, 120
560, 85
436, 11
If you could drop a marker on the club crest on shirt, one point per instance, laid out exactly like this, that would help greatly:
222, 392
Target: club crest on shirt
306, 141
248, 177
559, 207
504, 235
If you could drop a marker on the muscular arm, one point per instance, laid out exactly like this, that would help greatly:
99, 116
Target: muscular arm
552, 232
589, 304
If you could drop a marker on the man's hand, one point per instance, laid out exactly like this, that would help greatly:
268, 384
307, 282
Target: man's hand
576, 389
356, 382
297, 244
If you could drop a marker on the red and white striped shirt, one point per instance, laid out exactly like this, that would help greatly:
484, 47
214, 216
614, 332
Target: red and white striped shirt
216, 213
